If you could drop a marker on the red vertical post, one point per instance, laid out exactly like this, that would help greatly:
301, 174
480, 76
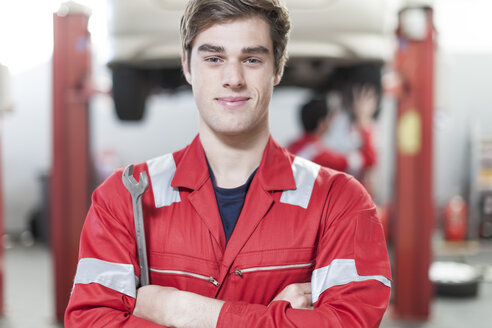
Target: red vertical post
2, 251
71, 173
6, 104
414, 200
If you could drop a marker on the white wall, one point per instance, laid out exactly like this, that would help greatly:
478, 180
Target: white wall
26, 144
465, 102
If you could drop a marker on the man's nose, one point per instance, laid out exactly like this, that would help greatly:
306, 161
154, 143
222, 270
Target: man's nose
233, 76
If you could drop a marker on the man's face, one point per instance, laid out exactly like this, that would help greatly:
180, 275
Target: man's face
232, 75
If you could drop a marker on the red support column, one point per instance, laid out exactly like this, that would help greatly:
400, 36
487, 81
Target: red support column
2, 250
71, 173
414, 203
6, 104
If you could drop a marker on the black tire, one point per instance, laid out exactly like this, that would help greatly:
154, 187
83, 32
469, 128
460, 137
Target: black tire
130, 91
469, 289
454, 279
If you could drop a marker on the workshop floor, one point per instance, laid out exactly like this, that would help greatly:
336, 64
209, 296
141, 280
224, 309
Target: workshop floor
449, 312
29, 291
28, 294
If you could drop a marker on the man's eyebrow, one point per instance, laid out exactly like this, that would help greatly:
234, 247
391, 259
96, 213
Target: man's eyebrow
255, 50
206, 47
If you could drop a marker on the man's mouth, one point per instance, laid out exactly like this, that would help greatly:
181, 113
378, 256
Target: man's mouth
232, 102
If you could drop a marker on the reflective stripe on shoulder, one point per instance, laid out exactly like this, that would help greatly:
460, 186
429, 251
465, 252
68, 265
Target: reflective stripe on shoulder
117, 276
305, 173
161, 170
339, 272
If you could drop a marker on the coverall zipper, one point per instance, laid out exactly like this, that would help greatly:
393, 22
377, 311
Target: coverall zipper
195, 275
240, 272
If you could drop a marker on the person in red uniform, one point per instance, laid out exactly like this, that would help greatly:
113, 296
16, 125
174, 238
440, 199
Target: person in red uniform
316, 118
240, 232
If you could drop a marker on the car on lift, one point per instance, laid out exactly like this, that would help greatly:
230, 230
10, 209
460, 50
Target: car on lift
145, 44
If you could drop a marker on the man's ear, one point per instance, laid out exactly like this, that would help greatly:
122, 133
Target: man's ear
278, 76
186, 68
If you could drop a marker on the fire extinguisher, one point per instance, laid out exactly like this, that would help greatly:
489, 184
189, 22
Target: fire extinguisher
455, 219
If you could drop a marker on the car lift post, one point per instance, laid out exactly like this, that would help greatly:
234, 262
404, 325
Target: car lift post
414, 208
6, 104
2, 250
71, 168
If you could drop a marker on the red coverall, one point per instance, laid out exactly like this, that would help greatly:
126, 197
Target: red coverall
299, 223
311, 147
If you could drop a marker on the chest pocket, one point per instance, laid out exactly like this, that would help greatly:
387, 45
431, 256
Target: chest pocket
183, 272
269, 272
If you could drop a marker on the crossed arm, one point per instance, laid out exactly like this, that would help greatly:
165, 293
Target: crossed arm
171, 307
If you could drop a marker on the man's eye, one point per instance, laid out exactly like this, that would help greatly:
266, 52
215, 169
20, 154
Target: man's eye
212, 59
253, 61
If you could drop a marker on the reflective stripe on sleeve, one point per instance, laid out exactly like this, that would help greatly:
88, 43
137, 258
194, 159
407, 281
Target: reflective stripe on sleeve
161, 170
339, 272
305, 173
117, 276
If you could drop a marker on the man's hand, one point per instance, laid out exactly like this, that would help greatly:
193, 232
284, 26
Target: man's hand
171, 307
364, 105
299, 296
153, 303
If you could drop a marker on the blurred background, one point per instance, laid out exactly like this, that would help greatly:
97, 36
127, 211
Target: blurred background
90, 86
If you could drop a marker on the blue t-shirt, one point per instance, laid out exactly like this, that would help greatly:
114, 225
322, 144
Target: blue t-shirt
230, 202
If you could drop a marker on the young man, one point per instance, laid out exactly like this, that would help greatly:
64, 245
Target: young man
240, 233
317, 118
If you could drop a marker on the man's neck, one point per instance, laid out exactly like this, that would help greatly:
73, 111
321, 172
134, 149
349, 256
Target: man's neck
233, 158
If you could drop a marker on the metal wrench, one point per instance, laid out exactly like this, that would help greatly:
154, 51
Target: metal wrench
137, 189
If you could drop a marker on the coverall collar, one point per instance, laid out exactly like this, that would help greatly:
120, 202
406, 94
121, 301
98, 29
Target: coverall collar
275, 170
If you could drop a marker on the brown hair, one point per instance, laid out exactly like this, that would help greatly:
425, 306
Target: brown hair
202, 14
